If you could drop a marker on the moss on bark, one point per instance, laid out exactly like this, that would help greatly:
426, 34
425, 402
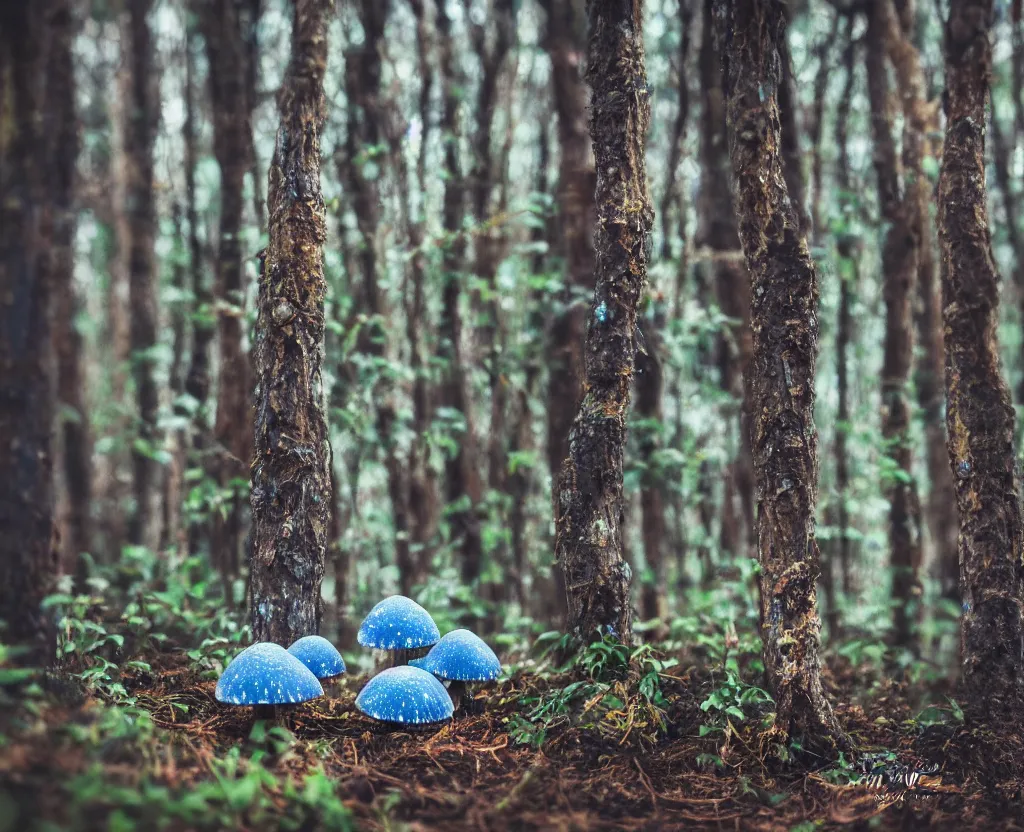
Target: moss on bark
291, 481
589, 499
979, 415
781, 380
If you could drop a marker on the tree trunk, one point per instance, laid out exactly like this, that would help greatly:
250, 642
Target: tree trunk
781, 383
486, 174
225, 32
564, 40
928, 315
367, 131
590, 505
28, 213
291, 472
422, 485
650, 387
899, 208
76, 436
113, 489
979, 411
142, 118
717, 234
675, 151
462, 475
197, 379
848, 249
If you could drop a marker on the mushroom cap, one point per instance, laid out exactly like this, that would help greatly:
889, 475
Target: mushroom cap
405, 694
398, 623
319, 655
266, 674
461, 656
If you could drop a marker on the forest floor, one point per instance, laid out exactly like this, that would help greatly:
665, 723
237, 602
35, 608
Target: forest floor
538, 751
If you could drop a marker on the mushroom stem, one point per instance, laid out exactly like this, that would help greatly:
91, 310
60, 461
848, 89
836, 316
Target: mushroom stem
267, 713
456, 690
402, 657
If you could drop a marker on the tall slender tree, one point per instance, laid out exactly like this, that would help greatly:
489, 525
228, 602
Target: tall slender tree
979, 412
365, 156
226, 29
464, 489
142, 118
291, 471
837, 565
899, 208
781, 384
718, 238
61, 126
27, 395
589, 503
564, 40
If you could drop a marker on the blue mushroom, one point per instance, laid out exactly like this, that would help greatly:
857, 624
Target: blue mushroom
319, 655
405, 695
400, 626
460, 657
266, 676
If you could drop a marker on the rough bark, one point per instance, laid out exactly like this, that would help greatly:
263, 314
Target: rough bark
590, 504
28, 559
225, 31
61, 127
979, 414
142, 118
462, 476
291, 471
718, 236
781, 384
899, 206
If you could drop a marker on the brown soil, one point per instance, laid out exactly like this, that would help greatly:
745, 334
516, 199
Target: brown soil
471, 774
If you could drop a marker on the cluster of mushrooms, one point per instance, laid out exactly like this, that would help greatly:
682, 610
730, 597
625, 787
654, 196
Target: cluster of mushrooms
267, 677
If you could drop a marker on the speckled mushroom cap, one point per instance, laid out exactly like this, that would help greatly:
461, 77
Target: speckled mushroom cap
266, 674
398, 623
405, 694
461, 656
319, 655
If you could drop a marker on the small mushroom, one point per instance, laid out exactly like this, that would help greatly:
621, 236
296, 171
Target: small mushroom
320, 656
400, 626
265, 677
461, 657
405, 695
